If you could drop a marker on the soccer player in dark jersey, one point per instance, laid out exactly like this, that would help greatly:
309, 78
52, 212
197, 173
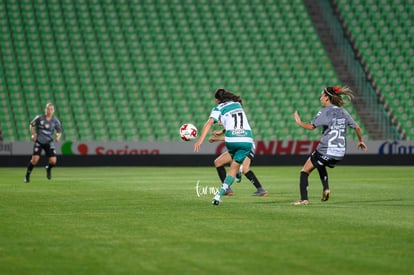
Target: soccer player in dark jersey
42, 129
334, 121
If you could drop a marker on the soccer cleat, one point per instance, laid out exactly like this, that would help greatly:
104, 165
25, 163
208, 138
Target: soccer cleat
229, 192
48, 172
300, 202
216, 200
261, 193
239, 174
238, 177
325, 195
26, 179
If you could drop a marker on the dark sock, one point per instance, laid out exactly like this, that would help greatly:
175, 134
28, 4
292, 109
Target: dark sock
221, 171
29, 168
323, 174
304, 185
252, 178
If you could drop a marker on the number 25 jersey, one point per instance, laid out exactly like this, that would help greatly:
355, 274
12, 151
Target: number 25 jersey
334, 121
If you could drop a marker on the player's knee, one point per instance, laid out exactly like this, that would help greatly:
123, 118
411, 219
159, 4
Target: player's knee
35, 160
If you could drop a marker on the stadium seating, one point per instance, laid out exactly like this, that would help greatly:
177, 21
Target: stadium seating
382, 31
135, 70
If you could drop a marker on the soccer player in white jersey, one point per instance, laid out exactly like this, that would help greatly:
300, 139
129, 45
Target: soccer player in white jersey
334, 121
238, 137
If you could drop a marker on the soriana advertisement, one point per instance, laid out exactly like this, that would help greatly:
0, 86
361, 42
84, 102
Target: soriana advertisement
287, 147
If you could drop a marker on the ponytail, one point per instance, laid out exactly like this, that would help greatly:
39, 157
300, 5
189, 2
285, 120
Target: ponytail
337, 93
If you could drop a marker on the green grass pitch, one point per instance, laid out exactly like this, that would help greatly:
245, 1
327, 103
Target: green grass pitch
151, 220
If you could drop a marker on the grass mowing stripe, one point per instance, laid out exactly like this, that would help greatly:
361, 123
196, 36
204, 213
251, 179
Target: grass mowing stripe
150, 220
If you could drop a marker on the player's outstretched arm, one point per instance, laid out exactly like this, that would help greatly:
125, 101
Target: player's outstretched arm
204, 132
361, 144
299, 122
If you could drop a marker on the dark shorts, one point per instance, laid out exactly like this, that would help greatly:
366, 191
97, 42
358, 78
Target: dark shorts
49, 149
319, 160
251, 155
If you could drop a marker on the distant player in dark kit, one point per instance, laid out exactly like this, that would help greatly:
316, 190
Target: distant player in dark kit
42, 129
334, 121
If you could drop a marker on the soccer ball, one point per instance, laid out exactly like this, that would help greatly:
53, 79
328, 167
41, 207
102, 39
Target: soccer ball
188, 132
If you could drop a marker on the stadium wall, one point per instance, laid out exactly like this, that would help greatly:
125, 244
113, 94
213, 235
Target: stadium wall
272, 153
200, 160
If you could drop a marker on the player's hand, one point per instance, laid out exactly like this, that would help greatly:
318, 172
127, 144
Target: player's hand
297, 118
34, 137
217, 132
197, 146
361, 145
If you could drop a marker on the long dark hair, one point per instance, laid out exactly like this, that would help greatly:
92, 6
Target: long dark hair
223, 96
